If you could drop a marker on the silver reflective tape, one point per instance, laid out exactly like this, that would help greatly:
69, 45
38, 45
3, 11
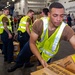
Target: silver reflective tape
1, 23
23, 22
1, 27
43, 35
8, 27
57, 38
45, 26
45, 22
46, 52
22, 27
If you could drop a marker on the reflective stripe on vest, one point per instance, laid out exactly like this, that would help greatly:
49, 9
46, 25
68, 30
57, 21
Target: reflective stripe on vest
45, 22
57, 38
23, 22
22, 27
1, 23
7, 27
46, 52
45, 26
1, 26
43, 36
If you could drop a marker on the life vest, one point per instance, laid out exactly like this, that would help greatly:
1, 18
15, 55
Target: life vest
48, 47
22, 24
1, 24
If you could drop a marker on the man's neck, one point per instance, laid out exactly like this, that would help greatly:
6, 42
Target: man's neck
51, 27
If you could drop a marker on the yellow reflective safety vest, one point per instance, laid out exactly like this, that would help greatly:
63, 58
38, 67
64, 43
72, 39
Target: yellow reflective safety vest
22, 24
48, 46
1, 24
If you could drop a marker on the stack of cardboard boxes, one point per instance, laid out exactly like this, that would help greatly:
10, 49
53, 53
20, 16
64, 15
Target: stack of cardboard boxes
67, 62
65, 66
52, 69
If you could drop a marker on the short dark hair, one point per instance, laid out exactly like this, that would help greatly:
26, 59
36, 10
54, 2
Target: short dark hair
55, 5
29, 11
6, 9
45, 10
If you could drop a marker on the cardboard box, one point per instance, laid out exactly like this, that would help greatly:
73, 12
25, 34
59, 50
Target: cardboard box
67, 62
55, 62
39, 67
16, 46
52, 69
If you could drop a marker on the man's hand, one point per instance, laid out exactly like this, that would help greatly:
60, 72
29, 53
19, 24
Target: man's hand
44, 63
10, 35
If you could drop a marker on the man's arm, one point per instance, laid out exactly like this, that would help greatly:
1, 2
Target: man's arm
28, 23
27, 28
5, 20
72, 41
33, 38
69, 35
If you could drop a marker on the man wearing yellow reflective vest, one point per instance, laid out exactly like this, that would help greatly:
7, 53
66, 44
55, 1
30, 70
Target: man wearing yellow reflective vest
24, 28
6, 36
44, 42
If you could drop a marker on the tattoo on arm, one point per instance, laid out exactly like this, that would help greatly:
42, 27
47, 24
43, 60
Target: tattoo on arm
5, 27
